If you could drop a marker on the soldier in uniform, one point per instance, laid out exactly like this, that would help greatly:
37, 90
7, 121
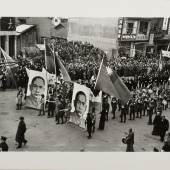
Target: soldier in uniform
139, 108
123, 113
51, 106
114, 106
132, 109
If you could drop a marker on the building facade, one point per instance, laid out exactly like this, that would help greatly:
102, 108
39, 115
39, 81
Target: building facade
8, 37
143, 36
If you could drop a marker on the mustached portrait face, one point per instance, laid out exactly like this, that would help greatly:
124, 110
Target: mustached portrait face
80, 103
37, 87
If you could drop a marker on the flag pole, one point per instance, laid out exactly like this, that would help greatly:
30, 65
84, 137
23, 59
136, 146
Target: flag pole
45, 55
54, 61
168, 47
99, 72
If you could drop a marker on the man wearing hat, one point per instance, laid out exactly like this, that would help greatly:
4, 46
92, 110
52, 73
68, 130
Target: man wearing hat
20, 135
3, 144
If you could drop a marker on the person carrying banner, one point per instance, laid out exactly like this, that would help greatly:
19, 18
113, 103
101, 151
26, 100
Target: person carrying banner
51, 106
102, 120
105, 107
93, 119
42, 106
89, 124
19, 98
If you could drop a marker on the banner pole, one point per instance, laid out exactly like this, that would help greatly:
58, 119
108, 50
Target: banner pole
98, 73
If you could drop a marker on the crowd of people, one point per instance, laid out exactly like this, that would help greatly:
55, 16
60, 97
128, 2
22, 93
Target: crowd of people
148, 85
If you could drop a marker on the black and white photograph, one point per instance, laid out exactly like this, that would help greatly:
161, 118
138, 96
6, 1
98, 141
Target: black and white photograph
85, 84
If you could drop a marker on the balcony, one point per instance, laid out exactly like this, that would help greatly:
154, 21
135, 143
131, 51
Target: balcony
142, 37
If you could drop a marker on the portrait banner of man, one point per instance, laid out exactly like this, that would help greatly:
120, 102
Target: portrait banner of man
37, 85
79, 105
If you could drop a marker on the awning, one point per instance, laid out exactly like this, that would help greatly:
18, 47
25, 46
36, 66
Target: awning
22, 28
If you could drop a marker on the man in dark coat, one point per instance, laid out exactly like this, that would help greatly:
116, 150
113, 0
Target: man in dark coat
105, 107
3, 144
130, 141
89, 124
164, 128
20, 135
157, 124
102, 121
150, 112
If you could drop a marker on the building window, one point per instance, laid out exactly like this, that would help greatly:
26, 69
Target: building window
129, 28
143, 27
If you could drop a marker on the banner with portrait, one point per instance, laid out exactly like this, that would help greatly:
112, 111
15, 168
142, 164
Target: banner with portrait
79, 105
37, 86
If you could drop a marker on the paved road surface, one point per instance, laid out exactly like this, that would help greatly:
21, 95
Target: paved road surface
44, 135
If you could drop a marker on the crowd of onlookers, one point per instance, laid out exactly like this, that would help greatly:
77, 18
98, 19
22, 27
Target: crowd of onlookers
82, 60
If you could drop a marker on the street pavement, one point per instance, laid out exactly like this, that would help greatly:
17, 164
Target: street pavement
44, 135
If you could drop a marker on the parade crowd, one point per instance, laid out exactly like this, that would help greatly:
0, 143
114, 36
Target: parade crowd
150, 88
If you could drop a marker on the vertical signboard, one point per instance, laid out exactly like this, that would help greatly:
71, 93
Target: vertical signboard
151, 39
165, 24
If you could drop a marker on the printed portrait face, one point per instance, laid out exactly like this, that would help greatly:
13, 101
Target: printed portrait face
80, 103
37, 87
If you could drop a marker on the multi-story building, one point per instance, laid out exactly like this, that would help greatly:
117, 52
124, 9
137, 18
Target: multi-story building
16, 34
134, 34
48, 27
8, 39
143, 35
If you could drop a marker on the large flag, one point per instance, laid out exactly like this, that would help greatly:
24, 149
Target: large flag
10, 65
109, 82
54, 64
63, 70
9, 62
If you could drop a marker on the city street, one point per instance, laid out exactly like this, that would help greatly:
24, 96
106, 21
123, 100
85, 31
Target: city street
44, 135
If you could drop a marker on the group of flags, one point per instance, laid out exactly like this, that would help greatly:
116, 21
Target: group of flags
107, 80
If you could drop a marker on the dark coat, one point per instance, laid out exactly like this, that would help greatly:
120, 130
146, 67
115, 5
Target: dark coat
164, 125
130, 142
157, 125
89, 122
21, 131
4, 146
102, 121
